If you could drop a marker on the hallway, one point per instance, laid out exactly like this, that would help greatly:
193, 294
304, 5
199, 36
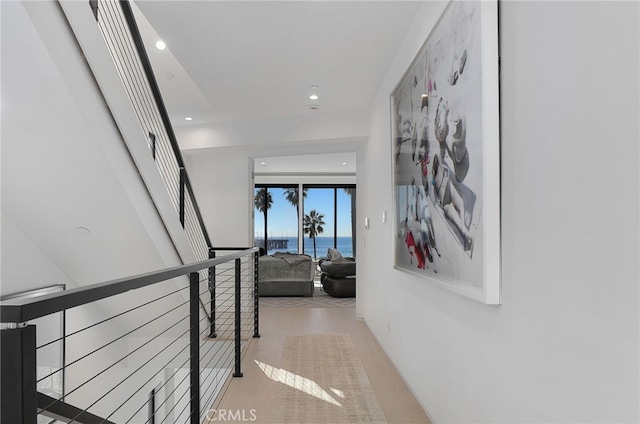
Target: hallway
258, 395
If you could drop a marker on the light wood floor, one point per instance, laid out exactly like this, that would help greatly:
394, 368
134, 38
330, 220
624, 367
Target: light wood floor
254, 391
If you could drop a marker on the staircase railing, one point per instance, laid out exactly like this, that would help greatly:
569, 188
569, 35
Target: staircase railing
156, 358
170, 342
120, 31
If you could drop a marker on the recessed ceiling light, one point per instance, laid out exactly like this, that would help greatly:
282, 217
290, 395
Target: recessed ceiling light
344, 163
160, 45
313, 93
188, 118
263, 163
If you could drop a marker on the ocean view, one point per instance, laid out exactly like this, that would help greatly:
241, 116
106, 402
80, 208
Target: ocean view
322, 244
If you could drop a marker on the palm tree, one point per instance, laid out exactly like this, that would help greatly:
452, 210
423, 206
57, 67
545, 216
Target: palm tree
352, 193
312, 225
291, 194
263, 202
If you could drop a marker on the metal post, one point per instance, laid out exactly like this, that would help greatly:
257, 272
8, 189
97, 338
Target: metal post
152, 407
237, 372
152, 137
194, 336
256, 297
18, 366
182, 194
212, 291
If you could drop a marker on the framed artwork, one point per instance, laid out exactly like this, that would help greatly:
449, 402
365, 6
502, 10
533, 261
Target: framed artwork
446, 155
50, 345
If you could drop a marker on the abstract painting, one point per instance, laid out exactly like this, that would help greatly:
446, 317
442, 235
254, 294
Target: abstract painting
445, 150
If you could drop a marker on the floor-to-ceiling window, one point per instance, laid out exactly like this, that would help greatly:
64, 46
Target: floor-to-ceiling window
318, 223
327, 218
330, 208
346, 213
276, 217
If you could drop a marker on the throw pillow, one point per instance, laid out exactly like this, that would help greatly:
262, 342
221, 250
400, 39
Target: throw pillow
335, 256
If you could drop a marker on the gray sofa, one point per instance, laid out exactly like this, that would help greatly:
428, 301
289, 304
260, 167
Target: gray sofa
338, 274
339, 278
285, 274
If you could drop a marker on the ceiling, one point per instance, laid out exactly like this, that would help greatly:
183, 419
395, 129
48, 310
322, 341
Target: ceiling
334, 163
253, 61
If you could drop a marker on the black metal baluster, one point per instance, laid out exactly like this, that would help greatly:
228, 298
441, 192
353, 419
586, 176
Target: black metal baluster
237, 372
182, 193
256, 297
212, 291
194, 336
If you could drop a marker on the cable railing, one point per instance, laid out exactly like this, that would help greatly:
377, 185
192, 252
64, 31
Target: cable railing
161, 351
120, 32
152, 348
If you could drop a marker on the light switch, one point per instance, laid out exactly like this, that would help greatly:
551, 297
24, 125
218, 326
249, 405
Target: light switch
366, 222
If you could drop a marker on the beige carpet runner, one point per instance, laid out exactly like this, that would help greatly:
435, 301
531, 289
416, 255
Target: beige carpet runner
323, 381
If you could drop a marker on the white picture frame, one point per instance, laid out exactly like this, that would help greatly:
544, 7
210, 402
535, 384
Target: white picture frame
445, 142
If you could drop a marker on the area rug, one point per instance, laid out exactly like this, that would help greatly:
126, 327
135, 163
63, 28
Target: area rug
320, 299
322, 381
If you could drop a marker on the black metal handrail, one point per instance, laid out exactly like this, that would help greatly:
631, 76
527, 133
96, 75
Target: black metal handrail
19, 345
155, 90
22, 310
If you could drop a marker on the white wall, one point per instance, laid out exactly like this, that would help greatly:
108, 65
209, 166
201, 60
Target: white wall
268, 131
563, 346
222, 185
24, 265
222, 180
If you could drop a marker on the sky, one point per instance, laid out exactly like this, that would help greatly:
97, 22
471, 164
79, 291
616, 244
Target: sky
283, 220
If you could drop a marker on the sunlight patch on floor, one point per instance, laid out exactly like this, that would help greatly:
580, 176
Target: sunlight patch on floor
298, 382
338, 393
